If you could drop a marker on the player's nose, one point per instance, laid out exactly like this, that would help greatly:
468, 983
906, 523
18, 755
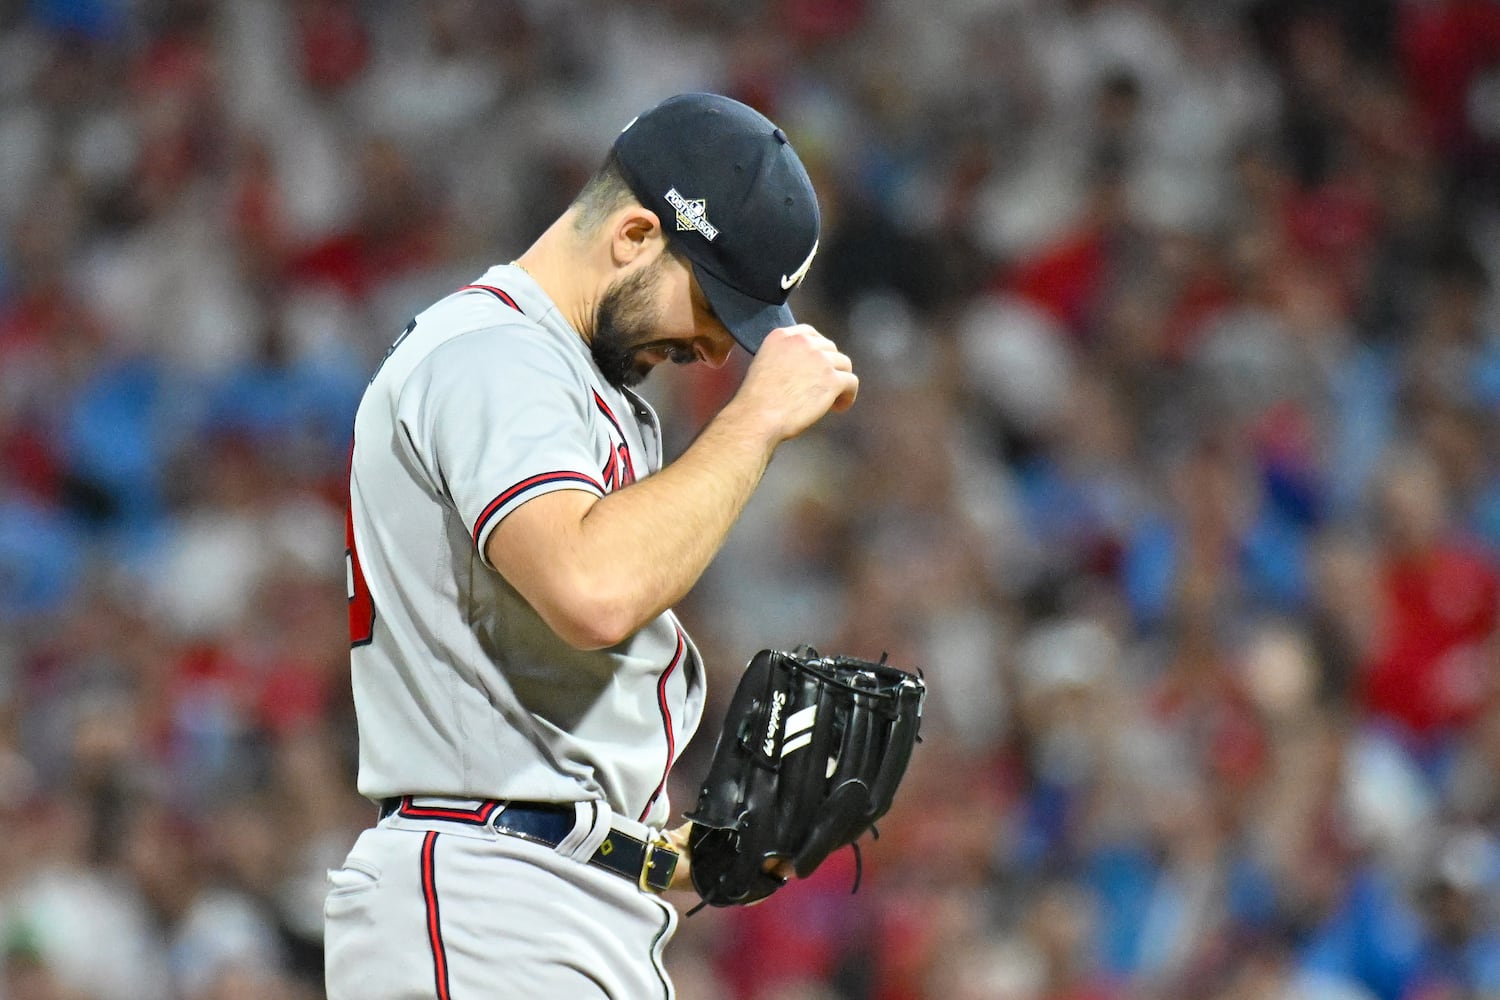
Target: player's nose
714, 351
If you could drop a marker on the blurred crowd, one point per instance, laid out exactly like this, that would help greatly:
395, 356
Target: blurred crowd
1173, 469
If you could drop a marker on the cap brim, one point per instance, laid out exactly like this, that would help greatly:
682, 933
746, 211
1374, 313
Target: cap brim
747, 318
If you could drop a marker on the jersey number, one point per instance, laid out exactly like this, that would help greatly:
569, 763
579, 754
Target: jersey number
361, 604
394, 344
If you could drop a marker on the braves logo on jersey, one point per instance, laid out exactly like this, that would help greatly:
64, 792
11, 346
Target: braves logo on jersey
618, 470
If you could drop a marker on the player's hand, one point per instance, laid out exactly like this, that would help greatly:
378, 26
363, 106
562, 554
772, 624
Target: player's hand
796, 377
682, 875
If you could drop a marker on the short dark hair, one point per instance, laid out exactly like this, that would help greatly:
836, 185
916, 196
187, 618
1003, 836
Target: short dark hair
605, 193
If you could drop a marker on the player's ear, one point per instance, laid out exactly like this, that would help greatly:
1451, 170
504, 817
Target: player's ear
636, 231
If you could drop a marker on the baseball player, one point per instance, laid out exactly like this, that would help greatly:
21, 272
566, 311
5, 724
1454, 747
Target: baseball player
515, 546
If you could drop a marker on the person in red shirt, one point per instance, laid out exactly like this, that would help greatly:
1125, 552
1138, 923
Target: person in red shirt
1431, 655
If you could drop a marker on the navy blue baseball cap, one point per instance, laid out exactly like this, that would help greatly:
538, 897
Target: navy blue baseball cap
733, 197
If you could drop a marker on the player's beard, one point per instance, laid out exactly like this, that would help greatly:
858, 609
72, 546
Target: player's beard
625, 320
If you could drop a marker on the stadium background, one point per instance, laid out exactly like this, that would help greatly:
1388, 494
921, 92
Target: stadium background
1174, 468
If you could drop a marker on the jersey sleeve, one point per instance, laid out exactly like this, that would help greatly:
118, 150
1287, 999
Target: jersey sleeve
498, 417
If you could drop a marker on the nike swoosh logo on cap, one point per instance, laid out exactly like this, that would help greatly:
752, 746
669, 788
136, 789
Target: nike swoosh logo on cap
795, 278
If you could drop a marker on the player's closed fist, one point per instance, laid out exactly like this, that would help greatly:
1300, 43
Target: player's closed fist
797, 376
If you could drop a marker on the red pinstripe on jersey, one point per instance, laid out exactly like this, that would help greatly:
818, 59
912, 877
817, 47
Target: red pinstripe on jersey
498, 293
604, 408
434, 923
666, 722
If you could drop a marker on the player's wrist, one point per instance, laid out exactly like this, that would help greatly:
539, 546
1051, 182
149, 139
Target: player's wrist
758, 425
682, 876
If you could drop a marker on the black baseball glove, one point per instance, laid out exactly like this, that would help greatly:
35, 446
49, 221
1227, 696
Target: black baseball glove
809, 758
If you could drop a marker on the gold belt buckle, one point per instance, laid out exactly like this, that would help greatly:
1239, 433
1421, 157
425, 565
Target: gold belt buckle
648, 862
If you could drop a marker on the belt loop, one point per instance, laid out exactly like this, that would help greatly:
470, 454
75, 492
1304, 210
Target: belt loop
493, 823
590, 829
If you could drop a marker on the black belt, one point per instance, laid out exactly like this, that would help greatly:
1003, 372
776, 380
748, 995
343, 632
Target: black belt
649, 866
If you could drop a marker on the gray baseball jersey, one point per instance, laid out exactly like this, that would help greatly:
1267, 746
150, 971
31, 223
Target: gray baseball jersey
490, 399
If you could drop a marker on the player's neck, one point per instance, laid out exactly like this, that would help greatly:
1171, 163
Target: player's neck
560, 265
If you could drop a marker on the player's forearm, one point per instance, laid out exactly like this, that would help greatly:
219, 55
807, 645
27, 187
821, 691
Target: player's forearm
649, 543
598, 569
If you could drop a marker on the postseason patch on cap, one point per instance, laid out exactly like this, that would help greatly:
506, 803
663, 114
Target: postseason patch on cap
692, 214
